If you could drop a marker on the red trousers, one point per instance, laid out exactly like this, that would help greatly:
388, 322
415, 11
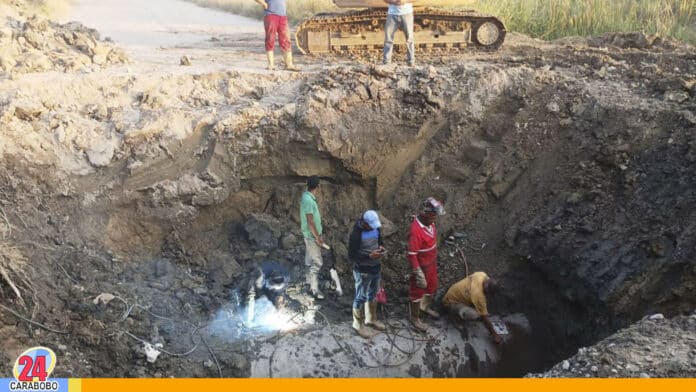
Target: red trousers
416, 293
275, 24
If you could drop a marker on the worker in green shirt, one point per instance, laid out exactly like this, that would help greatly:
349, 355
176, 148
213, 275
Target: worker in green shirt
310, 222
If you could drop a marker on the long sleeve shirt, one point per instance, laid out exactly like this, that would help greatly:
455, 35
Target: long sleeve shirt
360, 244
422, 244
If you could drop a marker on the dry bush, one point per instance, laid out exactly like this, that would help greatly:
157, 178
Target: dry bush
297, 9
14, 271
48, 7
52, 8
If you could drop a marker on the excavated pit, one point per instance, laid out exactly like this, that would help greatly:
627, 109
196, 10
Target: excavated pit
577, 192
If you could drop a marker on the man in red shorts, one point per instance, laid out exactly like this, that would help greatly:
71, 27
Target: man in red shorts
275, 21
422, 256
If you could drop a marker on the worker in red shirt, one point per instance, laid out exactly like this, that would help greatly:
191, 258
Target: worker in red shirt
422, 256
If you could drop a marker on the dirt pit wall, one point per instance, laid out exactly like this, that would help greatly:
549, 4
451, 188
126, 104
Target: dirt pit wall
572, 187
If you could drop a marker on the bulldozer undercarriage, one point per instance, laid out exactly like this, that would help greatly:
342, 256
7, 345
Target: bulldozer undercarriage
434, 30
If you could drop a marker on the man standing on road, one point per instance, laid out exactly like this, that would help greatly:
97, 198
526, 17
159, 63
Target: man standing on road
365, 249
467, 299
310, 222
422, 256
399, 16
275, 21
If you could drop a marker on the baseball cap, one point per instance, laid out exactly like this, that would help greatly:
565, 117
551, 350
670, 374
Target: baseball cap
372, 219
432, 206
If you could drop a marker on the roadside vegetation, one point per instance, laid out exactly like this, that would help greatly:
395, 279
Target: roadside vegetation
51, 8
550, 19
297, 9
546, 19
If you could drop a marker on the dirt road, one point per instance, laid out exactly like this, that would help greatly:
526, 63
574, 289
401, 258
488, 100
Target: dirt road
161, 31
159, 23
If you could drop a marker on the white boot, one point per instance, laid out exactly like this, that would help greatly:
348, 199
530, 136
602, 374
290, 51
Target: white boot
358, 324
414, 316
271, 61
314, 286
425, 306
289, 65
371, 316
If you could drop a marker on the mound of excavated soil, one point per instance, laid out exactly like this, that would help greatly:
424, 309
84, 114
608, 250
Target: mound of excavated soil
652, 347
36, 44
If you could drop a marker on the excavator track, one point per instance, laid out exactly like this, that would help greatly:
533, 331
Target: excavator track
357, 32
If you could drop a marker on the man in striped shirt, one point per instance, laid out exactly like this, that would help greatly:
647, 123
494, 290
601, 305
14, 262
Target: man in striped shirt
422, 256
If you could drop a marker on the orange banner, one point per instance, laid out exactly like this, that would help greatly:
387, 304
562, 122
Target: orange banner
384, 385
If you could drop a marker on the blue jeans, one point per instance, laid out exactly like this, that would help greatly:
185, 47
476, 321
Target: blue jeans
366, 286
405, 24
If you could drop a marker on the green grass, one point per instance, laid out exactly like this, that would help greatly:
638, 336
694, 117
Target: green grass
550, 19
546, 19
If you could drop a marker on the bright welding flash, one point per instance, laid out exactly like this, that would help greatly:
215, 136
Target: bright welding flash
278, 321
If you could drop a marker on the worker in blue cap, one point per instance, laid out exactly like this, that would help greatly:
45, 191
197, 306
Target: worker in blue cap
365, 250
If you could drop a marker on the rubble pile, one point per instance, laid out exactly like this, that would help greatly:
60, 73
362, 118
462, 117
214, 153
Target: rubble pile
655, 346
36, 44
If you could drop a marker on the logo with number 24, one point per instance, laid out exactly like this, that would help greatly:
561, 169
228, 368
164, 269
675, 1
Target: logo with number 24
35, 364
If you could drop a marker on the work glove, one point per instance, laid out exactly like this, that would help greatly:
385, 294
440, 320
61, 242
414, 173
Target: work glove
420, 277
250, 305
258, 282
279, 303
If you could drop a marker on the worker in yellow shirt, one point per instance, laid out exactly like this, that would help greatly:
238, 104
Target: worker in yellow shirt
467, 299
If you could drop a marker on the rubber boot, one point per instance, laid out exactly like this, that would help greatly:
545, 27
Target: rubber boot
425, 306
289, 65
358, 324
371, 316
314, 286
271, 61
414, 311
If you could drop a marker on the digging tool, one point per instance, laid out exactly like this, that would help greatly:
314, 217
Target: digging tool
333, 272
334, 276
